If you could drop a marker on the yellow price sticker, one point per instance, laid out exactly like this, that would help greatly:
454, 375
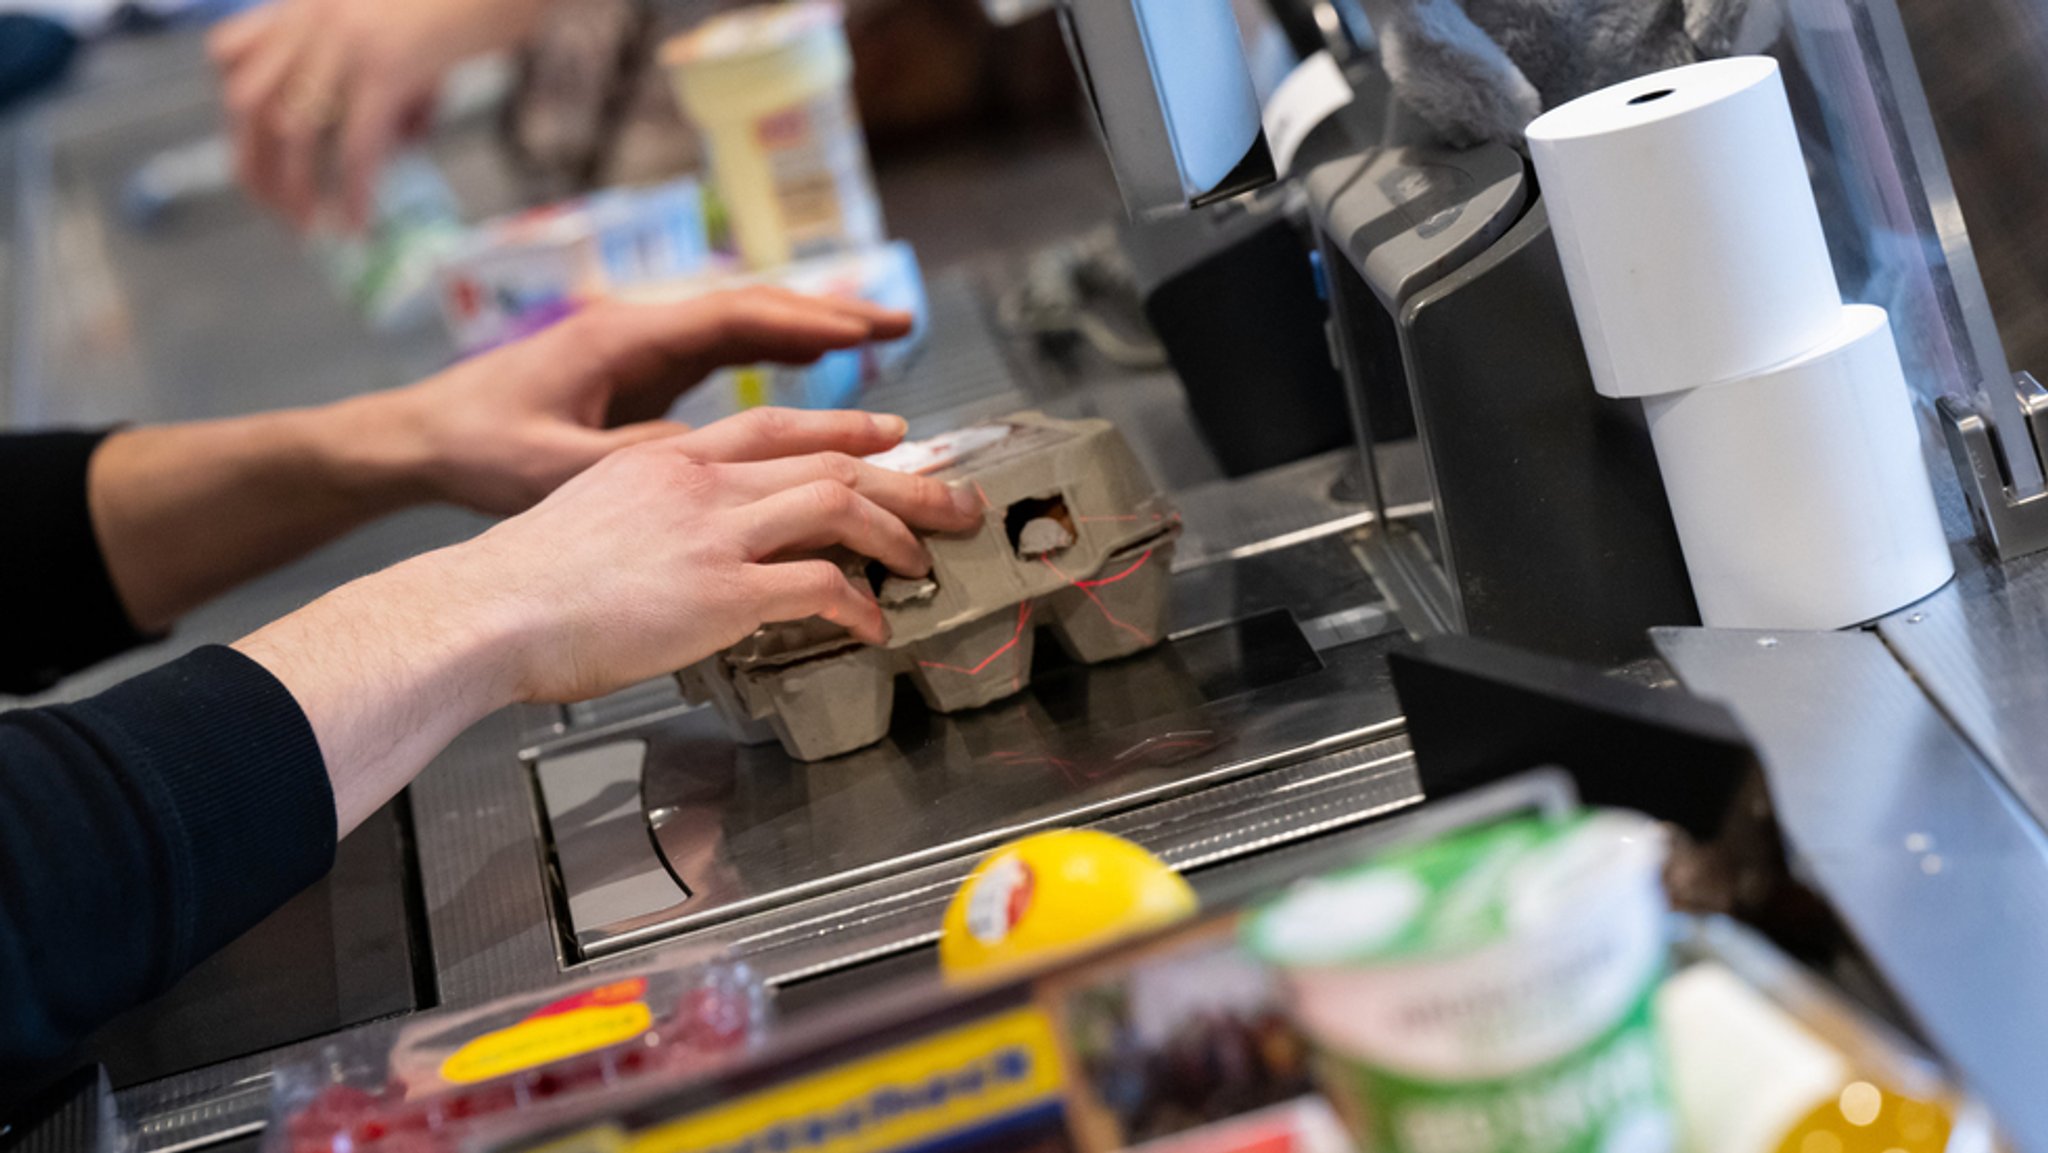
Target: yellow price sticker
540, 1040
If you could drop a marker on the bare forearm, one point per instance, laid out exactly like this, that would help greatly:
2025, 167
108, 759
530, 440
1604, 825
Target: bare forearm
186, 512
390, 669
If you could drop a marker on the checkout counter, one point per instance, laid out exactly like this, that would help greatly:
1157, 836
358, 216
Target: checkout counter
549, 843
1905, 762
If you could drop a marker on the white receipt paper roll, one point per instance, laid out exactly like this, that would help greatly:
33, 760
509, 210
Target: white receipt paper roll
1800, 494
1686, 225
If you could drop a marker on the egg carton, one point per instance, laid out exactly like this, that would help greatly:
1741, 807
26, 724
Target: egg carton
1076, 539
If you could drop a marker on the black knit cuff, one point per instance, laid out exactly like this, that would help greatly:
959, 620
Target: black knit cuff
237, 773
57, 600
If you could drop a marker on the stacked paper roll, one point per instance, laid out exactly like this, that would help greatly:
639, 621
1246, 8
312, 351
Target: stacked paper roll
1686, 225
1804, 503
1701, 281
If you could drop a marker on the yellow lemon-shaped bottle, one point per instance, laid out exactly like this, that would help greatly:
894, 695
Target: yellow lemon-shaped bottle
1053, 894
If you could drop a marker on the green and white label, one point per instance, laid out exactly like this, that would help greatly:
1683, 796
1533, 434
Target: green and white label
1488, 992
1610, 1097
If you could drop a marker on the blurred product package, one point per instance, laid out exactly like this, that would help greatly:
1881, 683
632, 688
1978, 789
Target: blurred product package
792, 204
515, 275
388, 272
770, 89
444, 1080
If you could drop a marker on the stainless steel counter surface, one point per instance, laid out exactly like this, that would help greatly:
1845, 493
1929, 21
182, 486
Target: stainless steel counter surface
1980, 649
739, 830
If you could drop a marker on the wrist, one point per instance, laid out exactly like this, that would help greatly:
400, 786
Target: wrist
482, 629
379, 448
425, 629
498, 600
389, 669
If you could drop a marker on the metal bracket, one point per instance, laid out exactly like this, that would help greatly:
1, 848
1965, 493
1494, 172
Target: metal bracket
2014, 524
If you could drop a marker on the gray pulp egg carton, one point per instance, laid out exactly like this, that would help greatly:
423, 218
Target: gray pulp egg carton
1076, 540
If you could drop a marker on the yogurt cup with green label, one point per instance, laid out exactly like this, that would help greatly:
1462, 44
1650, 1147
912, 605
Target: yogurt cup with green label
1489, 991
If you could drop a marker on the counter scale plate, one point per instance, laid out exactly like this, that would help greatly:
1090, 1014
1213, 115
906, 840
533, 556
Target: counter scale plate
663, 825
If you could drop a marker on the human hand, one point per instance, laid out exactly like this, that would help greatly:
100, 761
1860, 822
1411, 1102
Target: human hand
657, 557
674, 549
501, 431
320, 89
667, 552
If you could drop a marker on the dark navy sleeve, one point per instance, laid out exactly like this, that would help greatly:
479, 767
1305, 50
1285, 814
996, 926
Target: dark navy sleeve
58, 608
140, 830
